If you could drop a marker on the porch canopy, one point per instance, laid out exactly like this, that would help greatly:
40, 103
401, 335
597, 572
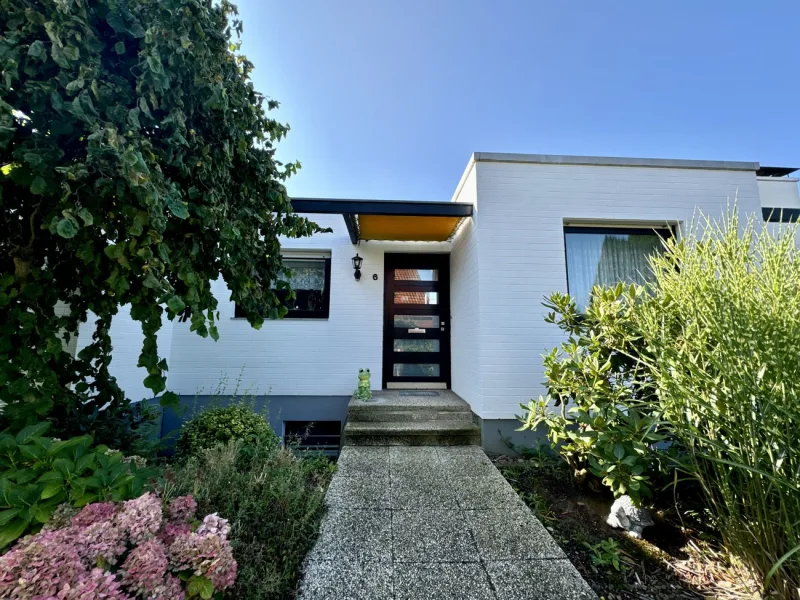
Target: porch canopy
396, 220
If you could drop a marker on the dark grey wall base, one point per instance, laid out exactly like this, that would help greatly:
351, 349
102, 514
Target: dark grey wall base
276, 408
499, 436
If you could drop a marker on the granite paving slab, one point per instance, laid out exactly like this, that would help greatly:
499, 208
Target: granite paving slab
362, 461
370, 492
539, 579
431, 536
511, 533
432, 523
441, 581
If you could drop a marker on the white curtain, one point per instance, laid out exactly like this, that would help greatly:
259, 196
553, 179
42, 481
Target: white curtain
606, 259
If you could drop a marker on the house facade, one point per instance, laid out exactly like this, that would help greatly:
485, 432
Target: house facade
450, 293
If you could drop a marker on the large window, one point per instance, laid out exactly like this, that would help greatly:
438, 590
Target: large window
309, 277
605, 256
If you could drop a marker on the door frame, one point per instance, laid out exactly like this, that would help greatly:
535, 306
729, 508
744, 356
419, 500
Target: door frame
440, 261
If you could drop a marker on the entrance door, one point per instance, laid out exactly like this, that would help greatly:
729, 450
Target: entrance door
416, 334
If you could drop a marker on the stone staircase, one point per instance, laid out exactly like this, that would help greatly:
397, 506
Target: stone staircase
411, 418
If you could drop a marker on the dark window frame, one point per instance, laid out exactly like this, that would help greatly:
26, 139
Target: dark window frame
664, 233
322, 313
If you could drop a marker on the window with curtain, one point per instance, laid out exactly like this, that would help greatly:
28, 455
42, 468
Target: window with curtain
607, 256
310, 280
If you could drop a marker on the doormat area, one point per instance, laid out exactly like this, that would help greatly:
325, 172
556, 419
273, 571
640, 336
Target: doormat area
419, 393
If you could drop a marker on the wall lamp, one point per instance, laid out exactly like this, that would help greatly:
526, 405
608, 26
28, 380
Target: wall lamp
357, 260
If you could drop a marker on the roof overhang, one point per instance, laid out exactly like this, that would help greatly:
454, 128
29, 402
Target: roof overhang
396, 220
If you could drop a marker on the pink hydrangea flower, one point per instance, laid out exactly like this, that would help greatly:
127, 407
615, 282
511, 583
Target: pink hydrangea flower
140, 518
182, 509
73, 562
170, 531
99, 541
170, 589
40, 567
215, 525
94, 513
98, 584
207, 555
144, 570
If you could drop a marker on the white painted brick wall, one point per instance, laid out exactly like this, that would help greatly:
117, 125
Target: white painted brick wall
294, 356
126, 340
464, 302
521, 253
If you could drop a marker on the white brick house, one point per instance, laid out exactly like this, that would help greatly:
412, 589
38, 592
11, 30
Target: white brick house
506, 237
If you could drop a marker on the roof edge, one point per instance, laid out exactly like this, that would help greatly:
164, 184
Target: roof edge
611, 161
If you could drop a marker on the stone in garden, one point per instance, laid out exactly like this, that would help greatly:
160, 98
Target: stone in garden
625, 515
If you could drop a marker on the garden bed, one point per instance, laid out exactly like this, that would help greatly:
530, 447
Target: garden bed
667, 563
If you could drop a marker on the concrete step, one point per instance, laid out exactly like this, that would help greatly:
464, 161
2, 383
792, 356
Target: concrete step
412, 433
387, 415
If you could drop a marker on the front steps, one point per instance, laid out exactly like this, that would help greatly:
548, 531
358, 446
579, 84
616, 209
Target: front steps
411, 418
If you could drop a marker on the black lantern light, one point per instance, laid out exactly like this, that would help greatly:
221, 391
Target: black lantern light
357, 260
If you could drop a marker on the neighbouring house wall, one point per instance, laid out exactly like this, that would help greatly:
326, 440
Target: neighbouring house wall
464, 299
298, 357
521, 258
126, 341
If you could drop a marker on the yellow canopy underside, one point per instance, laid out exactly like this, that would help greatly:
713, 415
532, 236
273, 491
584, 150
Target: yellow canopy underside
407, 229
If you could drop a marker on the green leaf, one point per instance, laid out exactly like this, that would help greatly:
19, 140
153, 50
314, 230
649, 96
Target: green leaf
151, 281
66, 228
177, 207
176, 304
85, 216
32, 431
51, 489
154, 382
169, 400
37, 50
199, 585
7, 515
39, 186
114, 252
619, 451
119, 48
12, 531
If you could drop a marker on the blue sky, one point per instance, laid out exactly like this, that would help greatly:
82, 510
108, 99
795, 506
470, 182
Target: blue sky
389, 99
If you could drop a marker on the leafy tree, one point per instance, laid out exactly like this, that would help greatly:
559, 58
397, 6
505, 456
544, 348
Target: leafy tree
137, 166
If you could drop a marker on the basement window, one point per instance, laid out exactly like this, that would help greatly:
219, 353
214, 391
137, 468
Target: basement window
313, 435
606, 256
310, 278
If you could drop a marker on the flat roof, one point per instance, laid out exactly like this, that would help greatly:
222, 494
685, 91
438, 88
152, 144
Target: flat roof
399, 220
614, 161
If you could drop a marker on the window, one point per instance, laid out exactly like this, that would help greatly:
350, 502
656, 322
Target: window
316, 435
310, 279
606, 256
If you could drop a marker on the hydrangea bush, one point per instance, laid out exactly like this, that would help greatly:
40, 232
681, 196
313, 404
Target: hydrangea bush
122, 551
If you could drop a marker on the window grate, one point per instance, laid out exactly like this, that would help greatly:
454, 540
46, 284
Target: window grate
313, 435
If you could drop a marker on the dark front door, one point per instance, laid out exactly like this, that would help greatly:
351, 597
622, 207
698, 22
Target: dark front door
416, 334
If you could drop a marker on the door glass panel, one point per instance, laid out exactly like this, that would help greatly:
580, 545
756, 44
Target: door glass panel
416, 297
417, 321
416, 345
415, 370
416, 274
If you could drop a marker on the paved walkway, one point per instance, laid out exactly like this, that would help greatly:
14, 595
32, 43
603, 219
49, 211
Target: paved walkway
432, 523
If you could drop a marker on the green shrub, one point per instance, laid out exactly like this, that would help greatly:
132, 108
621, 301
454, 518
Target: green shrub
722, 337
606, 423
37, 474
219, 425
274, 501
